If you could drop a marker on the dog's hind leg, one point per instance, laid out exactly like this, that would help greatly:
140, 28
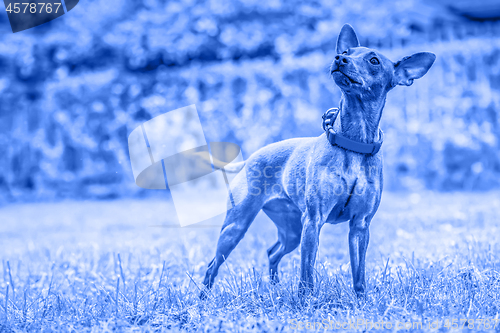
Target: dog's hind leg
287, 219
235, 226
275, 253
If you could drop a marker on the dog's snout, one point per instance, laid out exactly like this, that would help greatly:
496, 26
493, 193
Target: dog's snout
341, 59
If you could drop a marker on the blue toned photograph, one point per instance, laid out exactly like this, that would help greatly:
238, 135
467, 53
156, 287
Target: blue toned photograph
250, 166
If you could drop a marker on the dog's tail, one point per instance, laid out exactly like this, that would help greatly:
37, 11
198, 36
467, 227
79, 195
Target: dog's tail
231, 168
218, 164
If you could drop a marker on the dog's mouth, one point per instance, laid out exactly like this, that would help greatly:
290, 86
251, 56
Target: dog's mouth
351, 80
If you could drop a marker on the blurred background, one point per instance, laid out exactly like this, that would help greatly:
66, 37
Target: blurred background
73, 89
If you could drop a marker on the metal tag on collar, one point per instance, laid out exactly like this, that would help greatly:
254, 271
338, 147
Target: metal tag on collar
329, 117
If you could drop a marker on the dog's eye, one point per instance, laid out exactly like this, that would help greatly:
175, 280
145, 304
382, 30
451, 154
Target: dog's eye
374, 61
345, 52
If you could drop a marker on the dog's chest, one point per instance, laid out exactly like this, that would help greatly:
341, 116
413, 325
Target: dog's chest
354, 184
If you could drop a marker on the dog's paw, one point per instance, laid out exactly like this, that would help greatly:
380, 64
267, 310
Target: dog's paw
305, 289
360, 294
274, 279
204, 294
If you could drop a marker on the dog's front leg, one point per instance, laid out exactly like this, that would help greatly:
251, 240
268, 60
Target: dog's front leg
359, 236
308, 250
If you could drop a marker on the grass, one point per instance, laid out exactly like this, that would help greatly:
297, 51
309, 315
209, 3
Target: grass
122, 266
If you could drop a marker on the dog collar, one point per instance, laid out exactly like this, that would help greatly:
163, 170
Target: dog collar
336, 139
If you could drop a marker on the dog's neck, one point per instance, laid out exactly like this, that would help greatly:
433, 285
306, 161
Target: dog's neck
359, 119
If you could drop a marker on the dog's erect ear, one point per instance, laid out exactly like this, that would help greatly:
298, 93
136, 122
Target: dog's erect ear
412, 67
347, 38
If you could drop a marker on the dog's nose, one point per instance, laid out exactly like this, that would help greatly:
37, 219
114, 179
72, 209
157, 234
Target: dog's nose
341, 58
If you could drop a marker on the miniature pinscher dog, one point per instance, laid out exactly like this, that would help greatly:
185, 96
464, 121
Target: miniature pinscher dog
303, 183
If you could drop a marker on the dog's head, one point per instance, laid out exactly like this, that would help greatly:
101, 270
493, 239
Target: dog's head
364, 71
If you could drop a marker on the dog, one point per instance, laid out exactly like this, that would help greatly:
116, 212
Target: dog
303, 183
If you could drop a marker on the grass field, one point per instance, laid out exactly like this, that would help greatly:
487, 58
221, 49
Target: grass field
124, 266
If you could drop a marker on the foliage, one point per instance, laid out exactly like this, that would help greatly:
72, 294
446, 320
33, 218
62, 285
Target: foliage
74, 88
